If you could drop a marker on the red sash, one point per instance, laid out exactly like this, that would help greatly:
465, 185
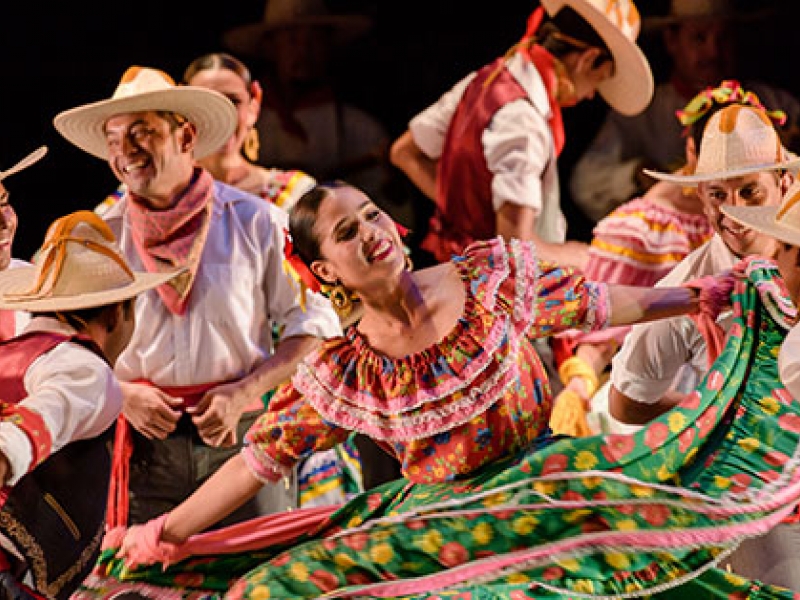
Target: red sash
117, 512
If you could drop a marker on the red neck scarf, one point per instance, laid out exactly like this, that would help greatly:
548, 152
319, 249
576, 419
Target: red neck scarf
174, 237
545, 63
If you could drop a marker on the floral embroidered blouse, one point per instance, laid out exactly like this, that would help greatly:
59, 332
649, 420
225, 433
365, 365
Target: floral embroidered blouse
479, 394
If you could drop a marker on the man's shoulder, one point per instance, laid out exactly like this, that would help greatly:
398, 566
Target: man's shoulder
247, 204
709, 259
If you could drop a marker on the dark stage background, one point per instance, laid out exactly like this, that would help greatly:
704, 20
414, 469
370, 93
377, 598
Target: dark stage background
57, 55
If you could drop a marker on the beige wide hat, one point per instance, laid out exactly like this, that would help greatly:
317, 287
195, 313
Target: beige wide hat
630, 88
781, 222
77, 267
26, 162
144, 89
738, 140
686, 10
248, 40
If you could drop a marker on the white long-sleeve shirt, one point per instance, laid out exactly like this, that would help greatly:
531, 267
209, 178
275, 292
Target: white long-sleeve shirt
654, 354
239, 292
72, 388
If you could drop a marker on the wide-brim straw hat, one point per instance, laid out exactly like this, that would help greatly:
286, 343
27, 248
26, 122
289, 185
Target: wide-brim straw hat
630, 87
780, 222
26, 162
79, 266
738, 140
681, 11
144, 89
248, 40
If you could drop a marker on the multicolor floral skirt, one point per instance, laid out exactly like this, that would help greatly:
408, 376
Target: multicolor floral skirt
652, 514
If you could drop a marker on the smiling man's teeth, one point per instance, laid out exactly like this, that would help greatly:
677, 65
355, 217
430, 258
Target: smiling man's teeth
131, 167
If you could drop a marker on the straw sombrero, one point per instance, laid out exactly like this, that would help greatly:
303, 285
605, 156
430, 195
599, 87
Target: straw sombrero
781, 222
26, 162
630, 88
738, 140
144, 89
78, 266
248, 40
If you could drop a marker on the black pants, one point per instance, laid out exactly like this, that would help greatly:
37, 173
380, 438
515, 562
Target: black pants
166, 472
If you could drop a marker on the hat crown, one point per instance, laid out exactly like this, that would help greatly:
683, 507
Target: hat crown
141, 80
622, 14
281, 13
687, 9
79, 256
738, 137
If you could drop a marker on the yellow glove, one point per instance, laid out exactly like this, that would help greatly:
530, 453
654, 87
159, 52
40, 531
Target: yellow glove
569, 415
569, 408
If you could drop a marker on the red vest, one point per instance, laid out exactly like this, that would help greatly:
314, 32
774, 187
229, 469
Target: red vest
55, 514
464, 209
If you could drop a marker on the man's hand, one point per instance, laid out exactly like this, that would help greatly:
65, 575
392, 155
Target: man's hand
217, 414
150, 411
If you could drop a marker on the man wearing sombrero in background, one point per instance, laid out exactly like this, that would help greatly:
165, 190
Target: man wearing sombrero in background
59, 400
202, 355
741, 164
12, 321
486, 152
307, 122
699, 37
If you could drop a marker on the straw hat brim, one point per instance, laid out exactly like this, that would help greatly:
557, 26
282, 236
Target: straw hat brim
697, 178
212, 113
762, 219
19, 281
630, 89
26, 162
248, 40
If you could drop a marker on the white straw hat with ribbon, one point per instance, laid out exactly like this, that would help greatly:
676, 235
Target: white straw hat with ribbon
143, 89
248, 40
78, 266
781, 222
738, 140
26, 162
630, 88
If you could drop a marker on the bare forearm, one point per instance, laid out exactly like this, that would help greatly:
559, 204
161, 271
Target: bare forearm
631, 304
418, 167
280, 366
230, 487
519, 222
632, 412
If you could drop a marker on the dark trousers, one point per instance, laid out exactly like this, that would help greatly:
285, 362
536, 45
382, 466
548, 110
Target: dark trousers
165, 472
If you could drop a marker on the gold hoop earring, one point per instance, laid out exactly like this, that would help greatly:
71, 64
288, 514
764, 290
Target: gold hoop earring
409, 263
251, 145
340, 298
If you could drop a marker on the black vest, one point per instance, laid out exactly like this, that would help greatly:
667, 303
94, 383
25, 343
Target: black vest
55, 515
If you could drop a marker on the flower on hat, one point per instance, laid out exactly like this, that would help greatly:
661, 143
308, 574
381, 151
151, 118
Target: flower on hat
728, 92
